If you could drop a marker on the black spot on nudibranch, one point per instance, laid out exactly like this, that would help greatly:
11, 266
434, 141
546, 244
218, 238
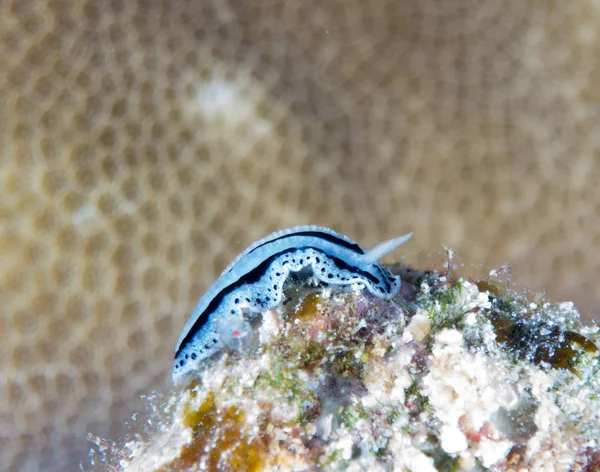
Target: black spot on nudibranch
194, 356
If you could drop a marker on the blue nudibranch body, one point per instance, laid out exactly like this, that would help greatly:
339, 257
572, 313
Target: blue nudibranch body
253, 283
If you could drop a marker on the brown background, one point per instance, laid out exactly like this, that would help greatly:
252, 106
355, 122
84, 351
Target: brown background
144, 143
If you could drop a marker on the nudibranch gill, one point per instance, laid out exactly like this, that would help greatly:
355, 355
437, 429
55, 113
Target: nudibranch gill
253, 283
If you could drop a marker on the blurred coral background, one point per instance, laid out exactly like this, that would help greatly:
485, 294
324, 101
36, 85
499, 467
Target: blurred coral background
145, 143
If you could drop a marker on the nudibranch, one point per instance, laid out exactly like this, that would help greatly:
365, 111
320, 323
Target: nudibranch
253, 283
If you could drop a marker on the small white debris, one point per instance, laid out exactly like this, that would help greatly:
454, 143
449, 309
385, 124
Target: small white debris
507, 397
491, 452
311, 429
269, 326
422, 463
324, 425
449, 336
345, 445
362, 324
453, 440
418, 328
400, 385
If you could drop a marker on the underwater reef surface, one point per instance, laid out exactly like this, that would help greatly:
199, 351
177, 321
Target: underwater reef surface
450, 375
144, 142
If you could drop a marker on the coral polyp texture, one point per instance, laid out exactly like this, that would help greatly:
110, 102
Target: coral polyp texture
449, 375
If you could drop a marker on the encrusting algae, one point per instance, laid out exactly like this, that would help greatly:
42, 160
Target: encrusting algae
449, 375
216, 434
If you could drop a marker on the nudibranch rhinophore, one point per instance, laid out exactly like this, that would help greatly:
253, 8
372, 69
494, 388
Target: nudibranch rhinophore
253, 283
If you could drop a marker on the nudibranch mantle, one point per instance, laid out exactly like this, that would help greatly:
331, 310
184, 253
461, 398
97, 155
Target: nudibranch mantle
253, 283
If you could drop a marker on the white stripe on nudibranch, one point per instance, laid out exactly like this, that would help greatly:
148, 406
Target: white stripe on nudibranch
253, 283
